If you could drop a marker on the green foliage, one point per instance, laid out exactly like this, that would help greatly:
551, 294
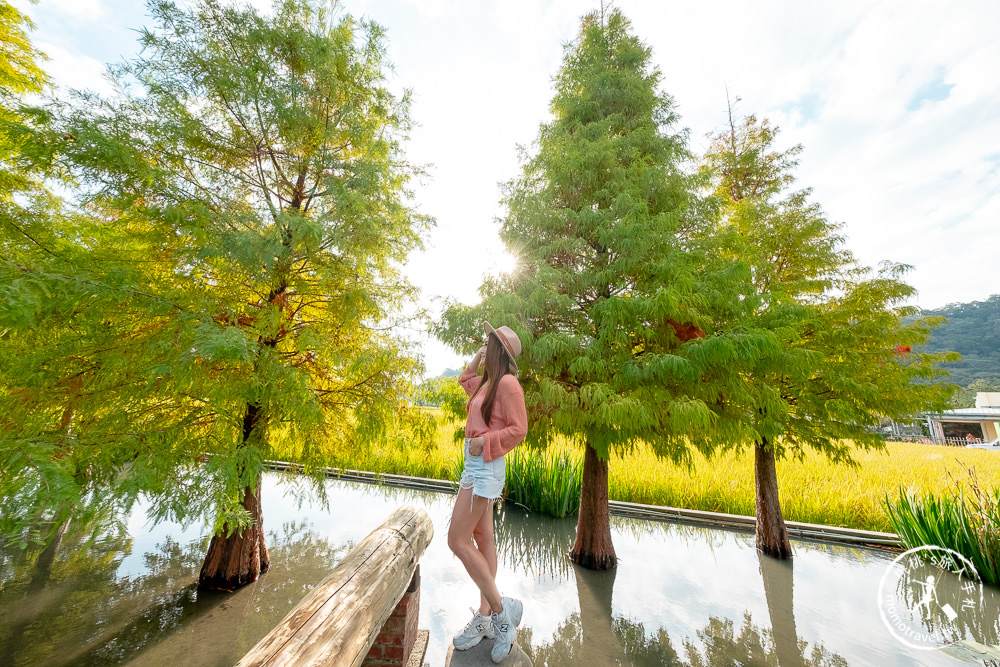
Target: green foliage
443, 392
605, 294
28, 148
819, 347
973, 330
228, 279
19, 69
966, 523
546, 481
20, 75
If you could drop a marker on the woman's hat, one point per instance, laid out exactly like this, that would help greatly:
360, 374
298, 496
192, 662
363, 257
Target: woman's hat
511, 343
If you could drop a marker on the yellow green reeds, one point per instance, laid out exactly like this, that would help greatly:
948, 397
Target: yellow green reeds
812, 490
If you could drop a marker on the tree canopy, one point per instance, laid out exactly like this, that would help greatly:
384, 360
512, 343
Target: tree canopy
841, 348
607, 292
832, 351
229, 273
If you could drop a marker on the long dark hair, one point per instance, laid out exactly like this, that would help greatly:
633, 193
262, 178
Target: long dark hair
497, 365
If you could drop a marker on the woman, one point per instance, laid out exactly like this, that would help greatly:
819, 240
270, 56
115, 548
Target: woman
496, 423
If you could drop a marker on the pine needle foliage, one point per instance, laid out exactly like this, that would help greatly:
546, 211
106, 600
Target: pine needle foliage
232, 277
608, 297
838, 346
599, 222
21, 74
832, 353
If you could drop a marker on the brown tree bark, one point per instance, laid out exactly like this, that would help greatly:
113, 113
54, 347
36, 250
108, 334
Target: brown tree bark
237, 558
772, 536
593, 548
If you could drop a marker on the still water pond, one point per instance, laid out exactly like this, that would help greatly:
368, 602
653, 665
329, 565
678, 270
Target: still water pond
681, 595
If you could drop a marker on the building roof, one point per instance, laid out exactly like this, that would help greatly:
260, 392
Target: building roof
970, 414
973, 411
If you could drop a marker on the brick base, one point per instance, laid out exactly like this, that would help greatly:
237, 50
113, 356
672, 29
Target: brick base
395, 640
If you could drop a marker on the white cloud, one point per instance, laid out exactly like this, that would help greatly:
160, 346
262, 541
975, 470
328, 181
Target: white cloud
912, 172
70, 70
87, 10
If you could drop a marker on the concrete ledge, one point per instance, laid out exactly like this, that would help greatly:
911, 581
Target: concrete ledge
808, 531
479, 656
416, 658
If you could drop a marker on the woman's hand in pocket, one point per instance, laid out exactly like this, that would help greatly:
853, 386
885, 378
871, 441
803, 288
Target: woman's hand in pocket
476, 445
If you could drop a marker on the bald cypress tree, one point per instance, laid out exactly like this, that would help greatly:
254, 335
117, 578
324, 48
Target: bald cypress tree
606, 297
225, 287
835, 345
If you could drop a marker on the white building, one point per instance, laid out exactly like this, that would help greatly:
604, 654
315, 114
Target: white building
986, 414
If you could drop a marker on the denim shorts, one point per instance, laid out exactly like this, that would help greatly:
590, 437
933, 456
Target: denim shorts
485, 478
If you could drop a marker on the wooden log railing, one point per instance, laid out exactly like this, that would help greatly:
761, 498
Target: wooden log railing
339, 620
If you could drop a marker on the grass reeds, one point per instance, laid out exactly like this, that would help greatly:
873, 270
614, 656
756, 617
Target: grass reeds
544, 480
967, 522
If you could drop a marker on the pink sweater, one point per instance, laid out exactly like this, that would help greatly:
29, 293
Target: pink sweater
509, 422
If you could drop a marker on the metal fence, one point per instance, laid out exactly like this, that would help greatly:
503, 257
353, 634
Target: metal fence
927, 440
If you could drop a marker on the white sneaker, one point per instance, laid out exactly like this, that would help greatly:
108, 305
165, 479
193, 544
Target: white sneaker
505, 628
479, 627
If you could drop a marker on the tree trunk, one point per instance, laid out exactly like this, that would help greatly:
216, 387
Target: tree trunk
772, 537
593, 548
237, 558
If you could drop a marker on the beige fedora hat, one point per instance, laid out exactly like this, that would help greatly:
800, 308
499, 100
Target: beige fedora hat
511, 343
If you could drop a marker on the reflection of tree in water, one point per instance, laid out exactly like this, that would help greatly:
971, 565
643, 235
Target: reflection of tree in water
976, 608
42, 589
533, 543
722, 645
84, 614
539, 544
595, 636
683, 532
568, 646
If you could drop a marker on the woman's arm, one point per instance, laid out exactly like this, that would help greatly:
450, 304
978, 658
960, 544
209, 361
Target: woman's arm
510, 400
469, 379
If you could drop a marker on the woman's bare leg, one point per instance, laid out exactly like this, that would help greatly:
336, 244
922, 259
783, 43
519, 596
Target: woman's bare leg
487, 546
463, 523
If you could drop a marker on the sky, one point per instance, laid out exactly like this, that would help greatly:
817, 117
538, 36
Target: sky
895, 104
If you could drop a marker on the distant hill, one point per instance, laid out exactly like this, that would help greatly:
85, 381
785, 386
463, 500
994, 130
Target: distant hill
972, 330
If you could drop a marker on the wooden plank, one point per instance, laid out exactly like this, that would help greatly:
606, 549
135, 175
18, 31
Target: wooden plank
337, 622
